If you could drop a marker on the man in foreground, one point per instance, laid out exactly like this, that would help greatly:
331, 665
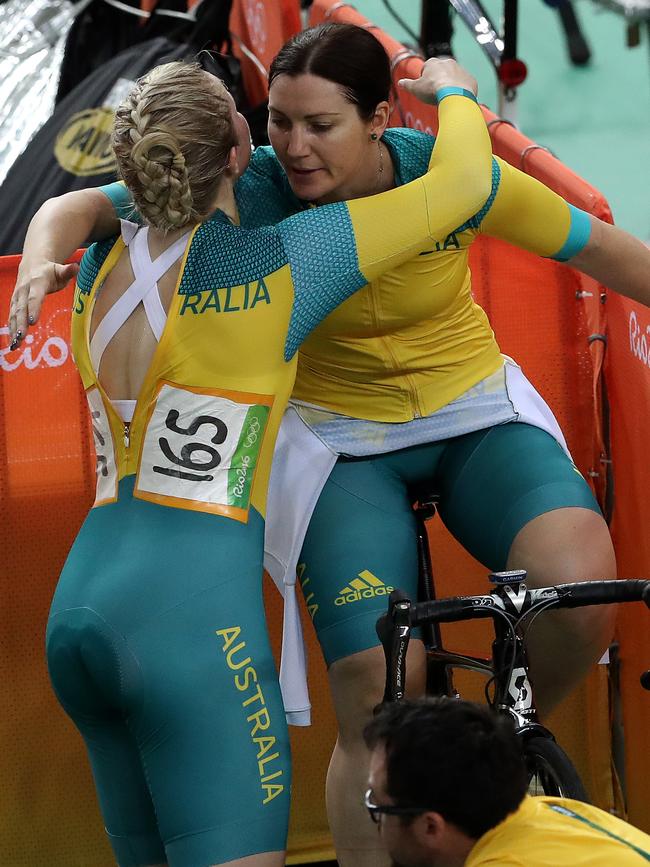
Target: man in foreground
448, 788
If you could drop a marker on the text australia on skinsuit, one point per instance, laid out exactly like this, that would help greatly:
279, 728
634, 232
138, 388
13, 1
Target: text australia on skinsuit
226, 299
258, 717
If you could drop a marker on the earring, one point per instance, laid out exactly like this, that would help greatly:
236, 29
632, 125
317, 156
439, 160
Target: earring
373, 136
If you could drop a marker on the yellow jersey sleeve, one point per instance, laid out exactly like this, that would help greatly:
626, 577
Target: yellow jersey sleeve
392, 227
531, 216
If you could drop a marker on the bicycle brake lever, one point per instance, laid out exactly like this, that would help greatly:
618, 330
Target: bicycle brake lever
394, 632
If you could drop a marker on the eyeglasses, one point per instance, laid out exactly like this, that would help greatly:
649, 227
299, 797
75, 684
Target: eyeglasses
376, 811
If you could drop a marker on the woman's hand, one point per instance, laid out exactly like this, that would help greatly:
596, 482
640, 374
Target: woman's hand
59, 227
436, 74
32, 285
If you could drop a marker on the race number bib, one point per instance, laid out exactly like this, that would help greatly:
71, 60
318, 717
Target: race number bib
106, 486
200, 449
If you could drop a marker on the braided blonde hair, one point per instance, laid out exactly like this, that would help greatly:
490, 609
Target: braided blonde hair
171, 138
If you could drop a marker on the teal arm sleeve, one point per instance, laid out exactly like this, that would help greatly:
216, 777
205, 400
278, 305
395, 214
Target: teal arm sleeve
578, 236
121, 200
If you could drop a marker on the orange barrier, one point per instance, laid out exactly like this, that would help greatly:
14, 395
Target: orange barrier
628, 387
259, 28
46, 477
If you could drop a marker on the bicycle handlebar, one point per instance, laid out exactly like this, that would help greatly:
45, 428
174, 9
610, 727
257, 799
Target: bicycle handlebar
453, 609
574, 595
394, 627
603, 592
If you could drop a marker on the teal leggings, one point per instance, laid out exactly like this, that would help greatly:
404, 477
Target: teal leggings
157, 648
361, 541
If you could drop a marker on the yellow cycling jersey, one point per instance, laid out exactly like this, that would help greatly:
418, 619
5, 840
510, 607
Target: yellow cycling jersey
207, 415
414, 340
558, 832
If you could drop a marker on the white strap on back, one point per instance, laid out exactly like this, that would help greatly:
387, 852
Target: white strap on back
144, 289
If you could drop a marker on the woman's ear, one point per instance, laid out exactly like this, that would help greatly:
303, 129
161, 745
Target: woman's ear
380, 118
232, 166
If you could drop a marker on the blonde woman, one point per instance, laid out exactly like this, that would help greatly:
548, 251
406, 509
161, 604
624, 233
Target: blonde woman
185, 332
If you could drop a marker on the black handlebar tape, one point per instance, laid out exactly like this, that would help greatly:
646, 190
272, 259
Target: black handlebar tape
579, 594
450, 610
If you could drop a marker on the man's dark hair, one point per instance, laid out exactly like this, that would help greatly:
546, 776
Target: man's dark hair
348, 55
457, 758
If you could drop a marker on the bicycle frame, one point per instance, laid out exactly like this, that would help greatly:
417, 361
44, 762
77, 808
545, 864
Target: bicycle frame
508, 667
509, 604
515, 697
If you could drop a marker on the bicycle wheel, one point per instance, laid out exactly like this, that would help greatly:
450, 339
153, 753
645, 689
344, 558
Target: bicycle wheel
550, 771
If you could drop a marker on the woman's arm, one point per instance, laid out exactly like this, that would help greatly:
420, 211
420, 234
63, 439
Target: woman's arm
59, 227
335, 249
616, 259
458, 181
528, 214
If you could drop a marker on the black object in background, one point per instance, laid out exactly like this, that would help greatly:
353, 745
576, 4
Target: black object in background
72, 150
101, 31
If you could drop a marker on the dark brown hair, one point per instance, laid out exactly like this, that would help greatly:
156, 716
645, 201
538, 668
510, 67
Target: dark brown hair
454, 757
345, 54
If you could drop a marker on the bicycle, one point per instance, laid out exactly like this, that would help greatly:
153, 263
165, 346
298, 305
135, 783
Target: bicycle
513, 608
434, 40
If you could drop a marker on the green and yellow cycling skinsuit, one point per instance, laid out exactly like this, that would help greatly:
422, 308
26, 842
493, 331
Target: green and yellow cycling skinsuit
559, 832
157, 645
406, 350
403, 348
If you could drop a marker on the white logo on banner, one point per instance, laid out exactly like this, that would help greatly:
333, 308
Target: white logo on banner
639, 340
256, 21
415, 123
52, 353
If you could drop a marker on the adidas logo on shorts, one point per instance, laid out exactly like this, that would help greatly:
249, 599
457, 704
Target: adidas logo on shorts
365, 586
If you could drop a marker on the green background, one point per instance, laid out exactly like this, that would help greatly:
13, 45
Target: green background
595, 119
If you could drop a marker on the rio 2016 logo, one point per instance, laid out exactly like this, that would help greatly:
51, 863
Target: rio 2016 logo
256, 22
414, 122
639, 340
53, 352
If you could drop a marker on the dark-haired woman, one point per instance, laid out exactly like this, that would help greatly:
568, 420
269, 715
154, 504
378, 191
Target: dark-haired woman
406, 387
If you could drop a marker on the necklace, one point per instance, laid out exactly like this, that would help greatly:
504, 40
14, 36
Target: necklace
380, 171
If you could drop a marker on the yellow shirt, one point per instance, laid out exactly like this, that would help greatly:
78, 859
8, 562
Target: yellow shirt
414, 340
544, 833
206, 418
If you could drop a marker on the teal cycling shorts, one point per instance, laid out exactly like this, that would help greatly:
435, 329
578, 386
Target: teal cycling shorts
362, 541
157, 649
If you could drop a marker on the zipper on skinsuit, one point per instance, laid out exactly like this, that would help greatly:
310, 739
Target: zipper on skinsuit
411, 390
